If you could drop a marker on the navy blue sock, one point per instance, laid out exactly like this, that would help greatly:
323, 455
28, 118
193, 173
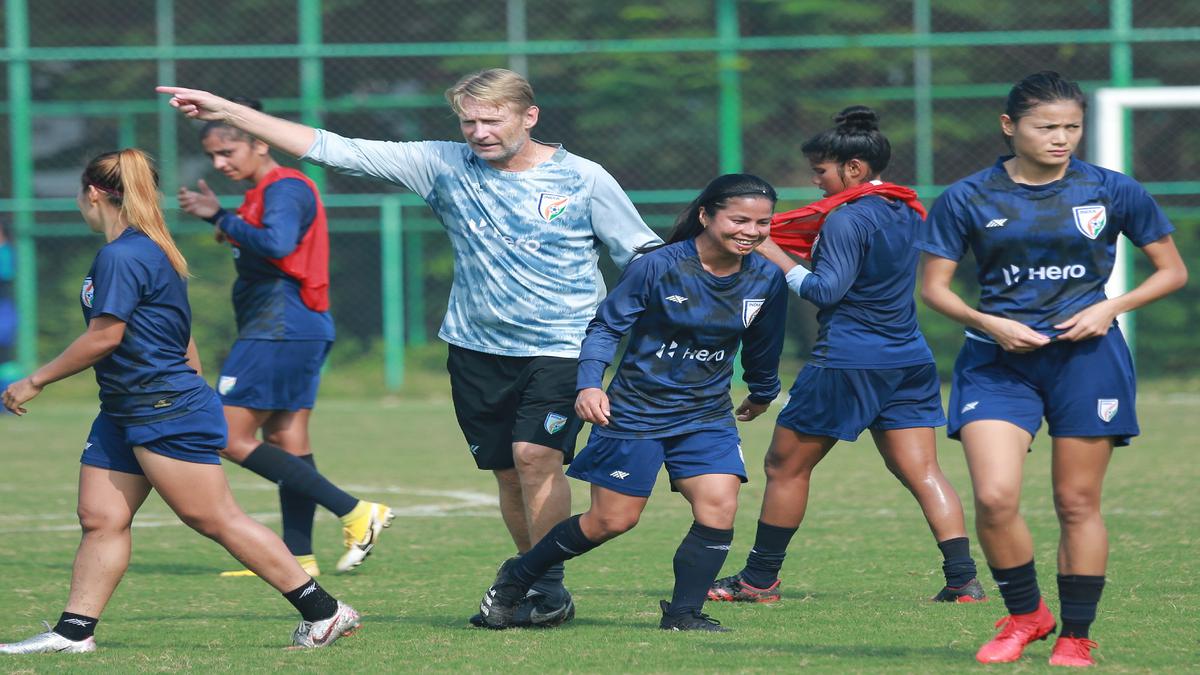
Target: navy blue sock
1018, 587
697, 561
563, 542
76, 626
278, 466
298, 511
550, 584
766, 558
957, 564
1079, 595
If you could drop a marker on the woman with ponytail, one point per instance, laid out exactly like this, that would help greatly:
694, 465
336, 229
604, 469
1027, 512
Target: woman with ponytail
687, 306
269, 381
160, 426
870, 368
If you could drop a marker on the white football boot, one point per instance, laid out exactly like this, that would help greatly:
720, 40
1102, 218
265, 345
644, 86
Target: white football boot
49, 643
325, 632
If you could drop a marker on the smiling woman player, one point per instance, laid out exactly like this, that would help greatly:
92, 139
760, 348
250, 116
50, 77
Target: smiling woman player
281, 297
687, 306
1043, 227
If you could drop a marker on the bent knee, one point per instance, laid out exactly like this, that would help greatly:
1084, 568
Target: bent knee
612, 524
103, 520
239, 449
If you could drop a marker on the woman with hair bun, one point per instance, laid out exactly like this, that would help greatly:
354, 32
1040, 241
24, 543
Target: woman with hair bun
1044, 342
870, 368
269, 382
160, 425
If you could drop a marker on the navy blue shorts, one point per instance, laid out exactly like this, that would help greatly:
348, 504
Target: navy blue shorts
842, 402
630, 465
1083, 389
195, 437
273, 375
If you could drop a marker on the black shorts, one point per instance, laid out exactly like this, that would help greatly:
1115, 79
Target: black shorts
501, 400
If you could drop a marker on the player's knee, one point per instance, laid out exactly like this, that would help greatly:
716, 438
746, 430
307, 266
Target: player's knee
207, 523
996, 504
779, 468
101, 519
239, 448
532, 459
1076, 506
613, 524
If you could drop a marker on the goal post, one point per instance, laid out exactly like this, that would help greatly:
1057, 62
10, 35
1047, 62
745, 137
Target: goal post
1108, 146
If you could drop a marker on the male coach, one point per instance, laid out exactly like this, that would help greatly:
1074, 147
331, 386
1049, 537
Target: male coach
525, 219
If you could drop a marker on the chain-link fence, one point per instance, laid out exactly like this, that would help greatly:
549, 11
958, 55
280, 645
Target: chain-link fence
664, 94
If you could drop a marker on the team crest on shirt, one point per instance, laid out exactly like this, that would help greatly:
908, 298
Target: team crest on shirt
1106, 408
1090, 219
750, 307
87, 292
554, 423
225, 384
551, 206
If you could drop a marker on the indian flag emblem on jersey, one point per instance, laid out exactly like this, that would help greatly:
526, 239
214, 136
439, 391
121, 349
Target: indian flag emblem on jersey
750, 307
1106, 408
551, 206
87, 292
1090, 219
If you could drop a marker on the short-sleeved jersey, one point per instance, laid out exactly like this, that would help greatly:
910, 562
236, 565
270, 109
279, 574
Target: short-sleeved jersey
1044, 252
685, 326
147, 378
525, 243
864, 272
266, 301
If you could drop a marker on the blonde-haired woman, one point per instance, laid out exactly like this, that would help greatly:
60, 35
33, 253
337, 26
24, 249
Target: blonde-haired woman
160, 425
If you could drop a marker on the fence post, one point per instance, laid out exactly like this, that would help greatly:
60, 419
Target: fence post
414, 287
312, 76
517, 34
1120, 14
168, 119
20, 135
729, 80
392, 273
923, 94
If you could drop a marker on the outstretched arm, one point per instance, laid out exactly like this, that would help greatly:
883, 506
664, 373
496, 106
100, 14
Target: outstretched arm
290, 137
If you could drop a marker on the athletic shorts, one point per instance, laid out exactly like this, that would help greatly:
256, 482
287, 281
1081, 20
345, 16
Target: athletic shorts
273, 375
842, 402
501, 400
630, 465
1083, 389
195, 437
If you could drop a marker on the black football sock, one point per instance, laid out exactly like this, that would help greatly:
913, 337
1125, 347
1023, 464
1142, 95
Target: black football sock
697, 561
76, 626
957, 564
313, 603
563, 542
298, 511
550, 584
1079, 595
1019, 588
766, 558
278, 466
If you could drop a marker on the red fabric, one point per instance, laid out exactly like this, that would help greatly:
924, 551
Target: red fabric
796, 231
309, 262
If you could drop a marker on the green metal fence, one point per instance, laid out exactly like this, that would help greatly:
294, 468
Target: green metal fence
663, 94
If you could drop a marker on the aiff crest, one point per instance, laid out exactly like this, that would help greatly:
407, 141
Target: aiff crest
554, 423
1090, 220
551, 206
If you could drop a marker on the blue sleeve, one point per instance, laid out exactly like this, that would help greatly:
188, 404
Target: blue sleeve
118, 280
289, 207
943, 233
1140, 217
843, 246
614, 317
762, 343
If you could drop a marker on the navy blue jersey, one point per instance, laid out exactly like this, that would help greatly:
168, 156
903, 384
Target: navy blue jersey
864, 272
266, 300
147, 378
1044, 252
685, 326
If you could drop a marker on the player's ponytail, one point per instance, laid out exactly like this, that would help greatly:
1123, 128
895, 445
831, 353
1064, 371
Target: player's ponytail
129, 182
855, 136
712, 199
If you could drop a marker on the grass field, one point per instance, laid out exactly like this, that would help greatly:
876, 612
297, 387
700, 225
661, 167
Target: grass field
855, 582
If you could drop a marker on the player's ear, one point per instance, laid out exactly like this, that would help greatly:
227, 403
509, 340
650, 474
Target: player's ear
1007, 125
531, 117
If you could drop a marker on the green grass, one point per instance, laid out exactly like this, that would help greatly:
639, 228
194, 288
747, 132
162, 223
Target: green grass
855, 582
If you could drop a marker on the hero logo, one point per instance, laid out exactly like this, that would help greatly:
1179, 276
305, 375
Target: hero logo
483, 228
689, 353
1014, 274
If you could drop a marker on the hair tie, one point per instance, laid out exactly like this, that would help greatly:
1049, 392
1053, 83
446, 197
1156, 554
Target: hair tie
108, 191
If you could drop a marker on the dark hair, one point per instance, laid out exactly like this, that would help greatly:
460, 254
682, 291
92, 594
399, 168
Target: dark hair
233, 131
856, 136
712, 199
1046, 86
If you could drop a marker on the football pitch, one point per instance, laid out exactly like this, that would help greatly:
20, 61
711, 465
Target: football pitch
855, 584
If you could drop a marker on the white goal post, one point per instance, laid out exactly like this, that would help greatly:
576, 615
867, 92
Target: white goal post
1107, 146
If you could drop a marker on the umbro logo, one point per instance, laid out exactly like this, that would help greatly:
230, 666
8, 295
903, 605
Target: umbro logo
968, 407
79, 622
996, 222
678, 299
620, 475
